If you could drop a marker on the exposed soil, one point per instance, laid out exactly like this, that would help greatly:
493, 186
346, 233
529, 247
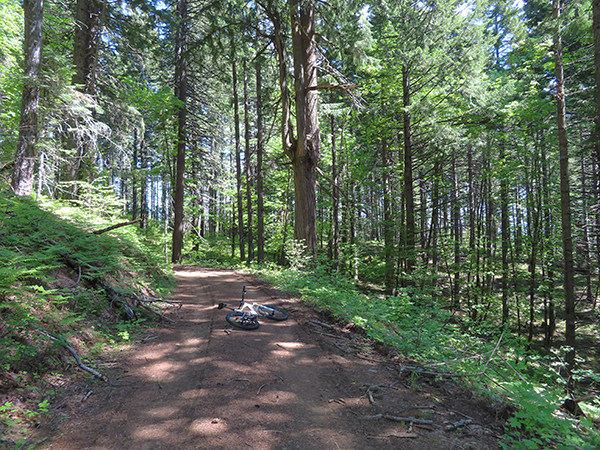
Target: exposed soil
298, 384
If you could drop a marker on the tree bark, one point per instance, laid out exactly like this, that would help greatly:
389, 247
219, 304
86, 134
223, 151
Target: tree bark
86, 41
307, 151
388, 221
457, 232
22, 178
238, 157
596, 137
143, 179
565, 197
134, 178
408, 175
181, 94
504, 219
260, 206
248, 166
336, 196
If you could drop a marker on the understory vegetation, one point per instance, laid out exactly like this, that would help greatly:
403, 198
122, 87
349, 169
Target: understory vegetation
60, 272
438, 160
66, 291
435, 339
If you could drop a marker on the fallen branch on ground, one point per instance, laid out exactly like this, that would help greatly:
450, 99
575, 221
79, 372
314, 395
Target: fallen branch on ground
162, 316
74, 354
326, 325
409, 435
427, 373
408, 408
118, 225
455, 425
400, 419
175, 303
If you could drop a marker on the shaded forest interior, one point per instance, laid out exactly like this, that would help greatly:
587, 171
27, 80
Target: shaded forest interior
438, 155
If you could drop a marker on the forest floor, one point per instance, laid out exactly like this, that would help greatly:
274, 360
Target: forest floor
304, 383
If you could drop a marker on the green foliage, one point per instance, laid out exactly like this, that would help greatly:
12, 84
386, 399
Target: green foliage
11, 30
41, 255
419, 329
296, 255
539, 423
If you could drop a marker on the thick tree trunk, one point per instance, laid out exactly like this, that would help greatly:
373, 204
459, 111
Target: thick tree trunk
305, 150
565, 197
85, 59
181, 93
86, 42
134, 178
457, 232
306, 153
22, 178
388, 222
143, 180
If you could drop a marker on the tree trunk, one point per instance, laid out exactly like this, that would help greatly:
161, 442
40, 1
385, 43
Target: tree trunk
86, 41
388, 233
336, 197
408, 175
134, 178
143, 180
306, 153
565, 197
596, 138
260, 206
456, 227
248, 166
505, 232
22, 178
303, 151
181, 94
238, 161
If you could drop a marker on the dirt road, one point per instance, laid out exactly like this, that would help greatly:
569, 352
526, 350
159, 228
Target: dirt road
297, 384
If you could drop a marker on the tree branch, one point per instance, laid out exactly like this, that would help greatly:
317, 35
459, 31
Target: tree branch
74, 354
119, 225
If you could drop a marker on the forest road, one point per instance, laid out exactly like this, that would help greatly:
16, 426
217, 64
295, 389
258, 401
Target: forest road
295, 384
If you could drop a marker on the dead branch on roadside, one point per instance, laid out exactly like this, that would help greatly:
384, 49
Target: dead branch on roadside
400, 419
153, 311
175, 303
455, 425
74, 354
326, 325
420, 371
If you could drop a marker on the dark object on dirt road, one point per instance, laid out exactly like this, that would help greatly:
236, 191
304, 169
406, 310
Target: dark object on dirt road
246, 315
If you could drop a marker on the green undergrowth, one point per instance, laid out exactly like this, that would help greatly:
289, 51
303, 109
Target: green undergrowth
52, 269
488, 360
